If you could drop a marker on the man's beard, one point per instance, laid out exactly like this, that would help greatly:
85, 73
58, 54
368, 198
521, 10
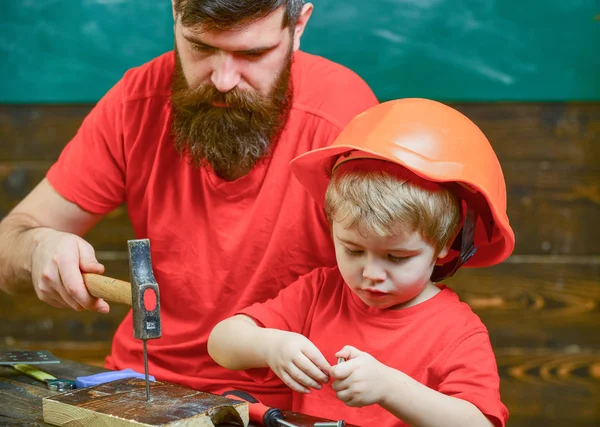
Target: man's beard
234, 138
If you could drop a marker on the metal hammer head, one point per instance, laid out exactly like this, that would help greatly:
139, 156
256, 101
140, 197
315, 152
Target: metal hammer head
146, 314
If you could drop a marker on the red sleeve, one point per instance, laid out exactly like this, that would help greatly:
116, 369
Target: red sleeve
292, 308
470, 373
288, 311
90, 171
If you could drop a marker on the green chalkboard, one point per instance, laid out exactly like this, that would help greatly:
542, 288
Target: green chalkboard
455, 50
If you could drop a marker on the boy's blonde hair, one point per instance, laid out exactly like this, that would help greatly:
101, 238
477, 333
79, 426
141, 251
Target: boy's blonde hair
385, 199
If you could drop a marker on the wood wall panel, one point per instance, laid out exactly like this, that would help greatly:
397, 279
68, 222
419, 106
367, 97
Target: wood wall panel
38, 132
542, 306
529, 305
544, 132
550, 388
542, 303
566, 197
549, 152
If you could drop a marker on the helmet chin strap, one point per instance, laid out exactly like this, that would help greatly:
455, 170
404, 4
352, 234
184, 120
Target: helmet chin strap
464, 243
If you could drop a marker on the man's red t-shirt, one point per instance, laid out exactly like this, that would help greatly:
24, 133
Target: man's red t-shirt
440, 343
217, 246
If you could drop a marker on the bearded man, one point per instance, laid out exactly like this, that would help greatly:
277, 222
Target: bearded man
197, 143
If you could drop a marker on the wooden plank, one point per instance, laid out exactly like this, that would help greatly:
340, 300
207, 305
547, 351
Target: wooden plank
546, 388
33, 320
539, 131
123, 403
566, 197
111, 233
91, 353
548, 150
21, 396
544, 303
38, 132
11, 422
553, 207
542, 131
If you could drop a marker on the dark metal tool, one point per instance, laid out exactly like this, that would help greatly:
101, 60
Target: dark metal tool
15, 357
142, 294
259, 412
145, 298
51, 381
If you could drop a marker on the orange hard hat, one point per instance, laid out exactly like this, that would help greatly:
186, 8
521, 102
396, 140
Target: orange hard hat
439, 144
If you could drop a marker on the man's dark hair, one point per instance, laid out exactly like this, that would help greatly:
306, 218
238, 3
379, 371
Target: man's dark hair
234, 14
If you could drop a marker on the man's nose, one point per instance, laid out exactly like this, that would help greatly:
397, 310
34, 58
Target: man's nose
225, 75
374, 271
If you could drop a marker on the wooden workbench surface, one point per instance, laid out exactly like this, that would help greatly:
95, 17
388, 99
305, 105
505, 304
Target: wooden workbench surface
21, 396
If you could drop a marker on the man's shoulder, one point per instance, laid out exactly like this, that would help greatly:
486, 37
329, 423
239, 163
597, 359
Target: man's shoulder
328, 89
152, 79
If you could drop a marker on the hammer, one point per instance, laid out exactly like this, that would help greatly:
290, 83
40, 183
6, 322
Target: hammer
138, 294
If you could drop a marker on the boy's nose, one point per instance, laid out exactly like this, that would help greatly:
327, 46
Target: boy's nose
374, 272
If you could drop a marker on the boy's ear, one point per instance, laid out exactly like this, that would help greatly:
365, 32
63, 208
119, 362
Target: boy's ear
444, 252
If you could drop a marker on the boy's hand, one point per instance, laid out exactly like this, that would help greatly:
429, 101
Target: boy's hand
361, 380
296, 360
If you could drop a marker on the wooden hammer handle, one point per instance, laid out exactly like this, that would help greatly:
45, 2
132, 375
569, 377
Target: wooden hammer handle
107, 288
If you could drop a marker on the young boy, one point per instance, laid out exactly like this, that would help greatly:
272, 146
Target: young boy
413, 190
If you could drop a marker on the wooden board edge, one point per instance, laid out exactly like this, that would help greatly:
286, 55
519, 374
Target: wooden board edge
57, 413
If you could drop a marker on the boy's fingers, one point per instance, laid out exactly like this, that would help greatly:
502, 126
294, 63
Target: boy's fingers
339, 385
342, 371
348, 352
303, 377
319, 364
343, 395
293, 384
308, 367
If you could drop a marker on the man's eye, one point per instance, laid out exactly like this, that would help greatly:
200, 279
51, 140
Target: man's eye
352, 252
254, 54
201, 48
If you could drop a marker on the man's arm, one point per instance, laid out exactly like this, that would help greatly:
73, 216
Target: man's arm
40, 246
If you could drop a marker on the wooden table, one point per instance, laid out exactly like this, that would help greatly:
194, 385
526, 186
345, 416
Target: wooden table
21, 396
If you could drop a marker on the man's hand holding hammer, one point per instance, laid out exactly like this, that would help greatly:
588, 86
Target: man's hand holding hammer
57, 264
32, 250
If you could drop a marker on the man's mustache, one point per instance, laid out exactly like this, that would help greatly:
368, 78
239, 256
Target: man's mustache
206, 96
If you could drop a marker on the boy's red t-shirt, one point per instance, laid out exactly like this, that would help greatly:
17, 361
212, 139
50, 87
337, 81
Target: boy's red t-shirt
440, 342
217, 246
